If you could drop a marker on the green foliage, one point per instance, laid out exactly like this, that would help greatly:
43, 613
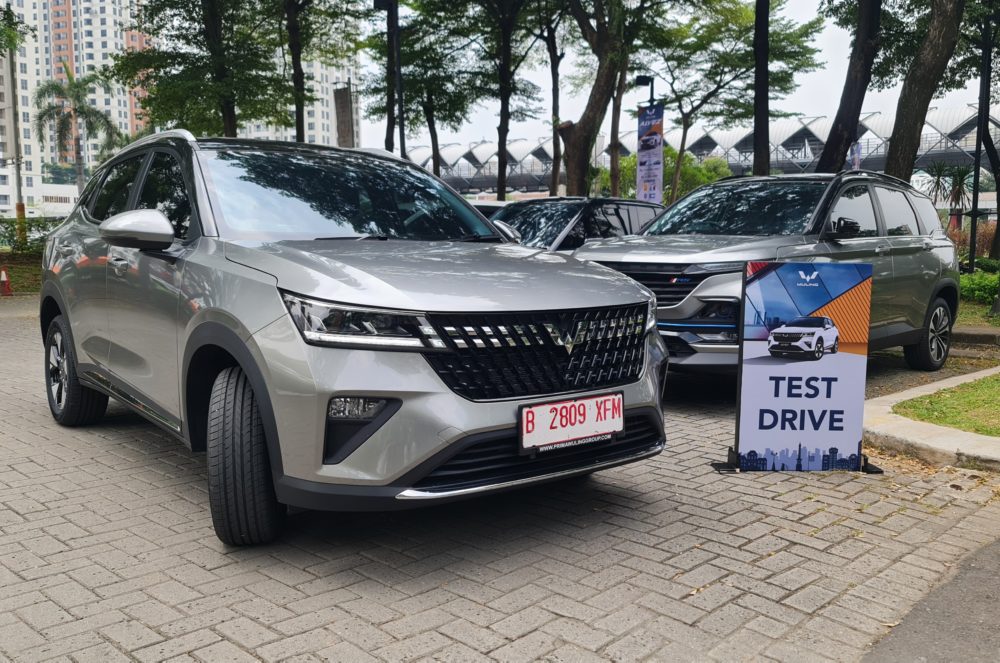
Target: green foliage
970, 407
980, 286
13, 31
903, 28
37, 227
693, 174
211, 67
59, 173
989, 265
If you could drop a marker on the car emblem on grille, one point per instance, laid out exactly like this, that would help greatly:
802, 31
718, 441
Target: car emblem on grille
568, 338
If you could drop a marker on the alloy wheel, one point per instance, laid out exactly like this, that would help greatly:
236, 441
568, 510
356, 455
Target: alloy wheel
58, 378
939, 334
818, 350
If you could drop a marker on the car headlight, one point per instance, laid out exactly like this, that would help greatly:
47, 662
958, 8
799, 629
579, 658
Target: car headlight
326, 323
715, 267
651, 315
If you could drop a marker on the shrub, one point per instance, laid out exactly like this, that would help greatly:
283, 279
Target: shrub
37, 227
991, 265
984, 239
980, 287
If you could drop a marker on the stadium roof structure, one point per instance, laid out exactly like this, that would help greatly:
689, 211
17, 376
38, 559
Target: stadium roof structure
796, 143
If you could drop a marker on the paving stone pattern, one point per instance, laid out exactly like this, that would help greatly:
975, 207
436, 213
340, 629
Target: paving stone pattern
107, 554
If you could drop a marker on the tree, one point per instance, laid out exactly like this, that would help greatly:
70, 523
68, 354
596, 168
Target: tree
706, 60
866, 21
938, 186
64, 107
693, 174
212, 65
611, 31
549, 16
922, 82
761, 89
13, 31
439, 87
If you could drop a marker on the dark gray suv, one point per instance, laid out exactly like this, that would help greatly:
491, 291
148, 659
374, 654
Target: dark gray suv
692, 257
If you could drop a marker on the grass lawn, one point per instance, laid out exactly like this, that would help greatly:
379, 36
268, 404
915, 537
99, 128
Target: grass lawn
974, 313
25, 271
970, 407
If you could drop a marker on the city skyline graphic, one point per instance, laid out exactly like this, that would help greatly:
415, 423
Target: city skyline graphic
801, 459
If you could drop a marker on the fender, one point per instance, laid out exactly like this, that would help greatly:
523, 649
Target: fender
212, 333
944, 283
51, 291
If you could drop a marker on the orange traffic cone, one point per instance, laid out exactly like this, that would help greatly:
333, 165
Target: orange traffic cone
5, 289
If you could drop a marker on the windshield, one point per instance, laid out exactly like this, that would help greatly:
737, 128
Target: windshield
807, 322
750, 209
539, 223
276, 195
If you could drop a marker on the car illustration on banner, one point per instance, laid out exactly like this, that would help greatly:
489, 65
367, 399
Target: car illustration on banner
650, 141
808, 338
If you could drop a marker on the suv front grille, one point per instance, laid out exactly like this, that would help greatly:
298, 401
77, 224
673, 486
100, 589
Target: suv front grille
787, 338
497, 458
516, 355
668, 281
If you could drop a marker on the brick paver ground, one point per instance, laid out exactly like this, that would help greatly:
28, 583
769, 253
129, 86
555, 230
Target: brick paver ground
107, 554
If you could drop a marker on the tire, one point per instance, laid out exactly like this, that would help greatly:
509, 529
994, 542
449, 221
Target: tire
70, 402
931, 352
817, 350
244, 508
836, 346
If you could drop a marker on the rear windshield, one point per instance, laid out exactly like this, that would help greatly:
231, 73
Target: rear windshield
539, 223
750, 208
275, 195
807, 322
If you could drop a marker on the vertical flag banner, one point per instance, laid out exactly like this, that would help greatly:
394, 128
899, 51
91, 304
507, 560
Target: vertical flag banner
649, 166
803, 363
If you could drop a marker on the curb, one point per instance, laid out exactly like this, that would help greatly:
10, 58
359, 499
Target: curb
933, 444
976, 336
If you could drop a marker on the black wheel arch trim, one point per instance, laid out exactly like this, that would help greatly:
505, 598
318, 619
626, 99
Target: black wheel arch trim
218, 335
51, 291
948, 284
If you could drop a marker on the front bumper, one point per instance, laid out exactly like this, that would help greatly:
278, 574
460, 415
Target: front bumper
694, 342
393, 467
804, 345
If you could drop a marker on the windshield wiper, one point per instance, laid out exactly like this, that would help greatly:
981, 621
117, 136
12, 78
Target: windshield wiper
376, 236
474, 237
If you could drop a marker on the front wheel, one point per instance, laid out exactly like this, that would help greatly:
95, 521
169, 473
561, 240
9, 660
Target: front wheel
836, 346
245, 510
71, 403
931, 352
818, 350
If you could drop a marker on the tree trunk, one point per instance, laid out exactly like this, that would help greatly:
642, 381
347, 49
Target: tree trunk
993, 157
844, 131
579, 137
506, 88
555, 59
675, 181
761, 88
615, 146
293, 11
81, 180
428, 106
390, 89
212, 30
920, 85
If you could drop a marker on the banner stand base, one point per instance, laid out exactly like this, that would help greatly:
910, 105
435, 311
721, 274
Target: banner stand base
732, 460
868, 468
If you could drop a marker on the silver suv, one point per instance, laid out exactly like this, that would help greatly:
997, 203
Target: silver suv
692, 256
338, 330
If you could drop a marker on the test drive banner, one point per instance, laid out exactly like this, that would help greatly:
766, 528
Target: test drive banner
649, 155
802, 366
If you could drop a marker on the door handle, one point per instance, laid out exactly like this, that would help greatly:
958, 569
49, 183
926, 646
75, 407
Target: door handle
119, 265
65, 250
928, 245
881, 250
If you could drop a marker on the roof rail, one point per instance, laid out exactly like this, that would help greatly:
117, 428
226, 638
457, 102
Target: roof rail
183, 134
872, 173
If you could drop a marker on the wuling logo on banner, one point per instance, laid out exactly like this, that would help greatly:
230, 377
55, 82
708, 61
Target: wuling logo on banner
649, 155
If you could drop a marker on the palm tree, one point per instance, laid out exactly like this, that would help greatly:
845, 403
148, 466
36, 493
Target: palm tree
959, 190
64, 106
939, 186
111, 146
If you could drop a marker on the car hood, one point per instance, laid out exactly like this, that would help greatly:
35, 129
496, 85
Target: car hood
436, 276
686, 249
797, 330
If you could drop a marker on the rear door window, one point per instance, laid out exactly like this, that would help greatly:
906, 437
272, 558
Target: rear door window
899, 218
164, 190
607, 221
114, 194
640, 216
855, 203
929, 219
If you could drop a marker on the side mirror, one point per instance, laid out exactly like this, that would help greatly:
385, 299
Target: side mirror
508, 231
843, 228
138, 229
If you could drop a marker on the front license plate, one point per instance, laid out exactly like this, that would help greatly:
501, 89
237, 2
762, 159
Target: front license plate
570, 423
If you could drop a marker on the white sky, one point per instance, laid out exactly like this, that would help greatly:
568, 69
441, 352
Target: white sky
818, 94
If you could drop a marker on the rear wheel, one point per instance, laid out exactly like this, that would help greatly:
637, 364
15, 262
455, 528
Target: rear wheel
71, 403
931, 352
245, 510
836, 346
